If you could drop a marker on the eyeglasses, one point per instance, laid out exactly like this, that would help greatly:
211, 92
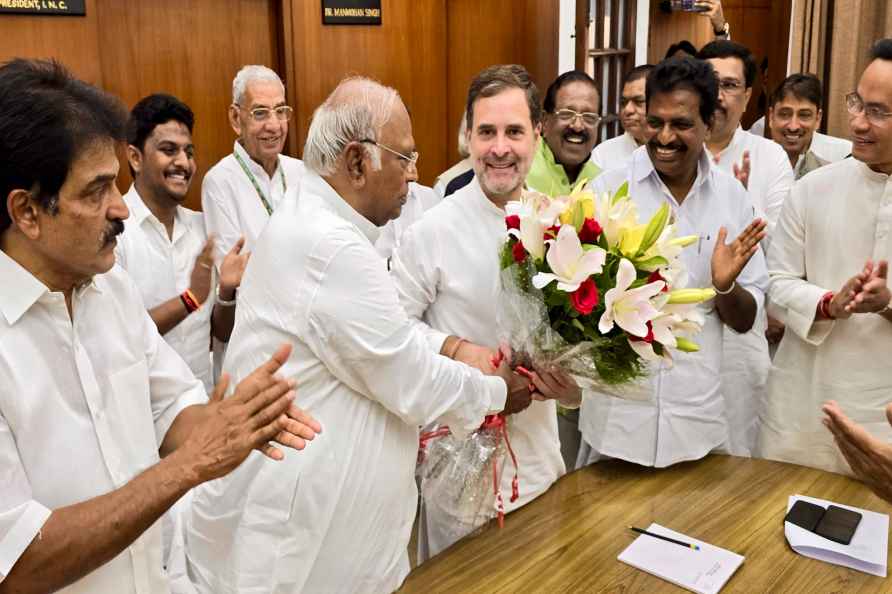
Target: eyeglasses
730, 86
262, 114
874, 115
568, 116
411, 159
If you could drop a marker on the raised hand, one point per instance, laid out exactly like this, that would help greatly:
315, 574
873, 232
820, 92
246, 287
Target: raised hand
261, 410
200, 281
713, 10
233, 267
742, 171
729, 259
869, 457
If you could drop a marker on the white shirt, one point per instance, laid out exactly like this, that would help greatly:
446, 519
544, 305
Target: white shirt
687, 416
420, 199
837, 217
747, 359
162, 267
447, 274
828, 149
771, 176
230, 202
758, 127
614, 153
84, 406
336, 517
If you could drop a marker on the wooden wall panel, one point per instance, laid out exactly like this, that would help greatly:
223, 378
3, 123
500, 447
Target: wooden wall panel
190, 50
407, 52
73, 40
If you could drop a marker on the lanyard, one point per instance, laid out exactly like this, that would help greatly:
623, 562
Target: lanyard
266, 204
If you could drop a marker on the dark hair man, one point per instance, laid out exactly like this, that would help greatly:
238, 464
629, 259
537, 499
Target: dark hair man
569, 132
686, 417
764, 170
616, 152
164, 248
90, 394
829, 269
795, 114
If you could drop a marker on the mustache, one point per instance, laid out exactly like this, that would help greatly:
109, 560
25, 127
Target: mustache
583, 133
180, 170
114, 229
672, 146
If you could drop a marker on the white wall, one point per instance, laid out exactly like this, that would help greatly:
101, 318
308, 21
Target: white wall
642, 27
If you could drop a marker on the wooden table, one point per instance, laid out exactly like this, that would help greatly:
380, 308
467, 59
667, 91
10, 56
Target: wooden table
568, 539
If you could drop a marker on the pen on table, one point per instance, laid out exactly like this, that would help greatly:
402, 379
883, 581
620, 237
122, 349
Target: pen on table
666, 538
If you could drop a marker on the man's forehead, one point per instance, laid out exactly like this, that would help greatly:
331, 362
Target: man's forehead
507, 108
96, 160
791, 101
730, 66
875, 86
171, 131
576, 92
264, 93
635, 87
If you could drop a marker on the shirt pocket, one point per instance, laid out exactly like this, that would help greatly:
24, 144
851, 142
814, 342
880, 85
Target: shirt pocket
132, 425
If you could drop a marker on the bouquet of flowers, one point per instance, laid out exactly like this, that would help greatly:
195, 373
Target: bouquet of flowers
590, 289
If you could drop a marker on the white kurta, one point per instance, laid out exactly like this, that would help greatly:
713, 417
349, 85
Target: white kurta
336, 517
746, 362
615, 152
230, 202
161, 267
687, 417
837, 217
420, 199
84, 405
446, 272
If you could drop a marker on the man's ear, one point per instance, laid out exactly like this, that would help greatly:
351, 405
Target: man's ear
134, 158
355, 164
234, 120
746, 100
820, 117
22, 209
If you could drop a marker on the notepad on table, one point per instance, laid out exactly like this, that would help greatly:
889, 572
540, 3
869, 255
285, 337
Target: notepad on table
867, 552
705, 571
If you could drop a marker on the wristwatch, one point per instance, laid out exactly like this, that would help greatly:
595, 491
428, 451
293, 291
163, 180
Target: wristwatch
724, 32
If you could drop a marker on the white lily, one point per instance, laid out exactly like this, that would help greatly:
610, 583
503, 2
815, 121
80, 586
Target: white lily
537, 213
570, 264
615, 217
630, 309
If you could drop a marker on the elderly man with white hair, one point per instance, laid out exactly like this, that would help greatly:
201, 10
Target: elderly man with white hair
242, 190
339, 520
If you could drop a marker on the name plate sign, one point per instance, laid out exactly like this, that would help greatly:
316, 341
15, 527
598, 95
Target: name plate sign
351, 12
44, 7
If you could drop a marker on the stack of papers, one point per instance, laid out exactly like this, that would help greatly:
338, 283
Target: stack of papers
705, 571
867, 552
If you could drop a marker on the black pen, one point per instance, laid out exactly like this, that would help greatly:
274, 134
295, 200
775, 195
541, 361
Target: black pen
666, 538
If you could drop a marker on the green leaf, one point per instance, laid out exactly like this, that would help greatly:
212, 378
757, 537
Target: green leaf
621, 193
578, 324
654, 228
652, 264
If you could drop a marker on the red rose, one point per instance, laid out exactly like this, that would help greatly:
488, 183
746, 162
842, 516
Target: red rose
585, 298
519, 253
512, 222
552, 232
648, 339
590, 231
656, 276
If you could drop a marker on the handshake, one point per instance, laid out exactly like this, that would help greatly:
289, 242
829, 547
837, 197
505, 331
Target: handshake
524, 385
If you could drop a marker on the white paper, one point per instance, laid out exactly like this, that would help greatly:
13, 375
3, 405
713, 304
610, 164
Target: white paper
867, 552
705, 571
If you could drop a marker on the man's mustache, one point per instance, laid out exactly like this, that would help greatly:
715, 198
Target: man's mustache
114, 229
672, 146
582, 133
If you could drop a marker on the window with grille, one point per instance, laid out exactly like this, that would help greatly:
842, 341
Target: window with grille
605, 49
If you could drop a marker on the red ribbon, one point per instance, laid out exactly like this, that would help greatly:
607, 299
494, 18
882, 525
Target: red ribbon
498, 423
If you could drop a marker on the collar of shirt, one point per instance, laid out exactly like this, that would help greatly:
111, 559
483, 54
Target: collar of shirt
872, 175
314, 184
548, 176
642, 167
140, 213
255, 168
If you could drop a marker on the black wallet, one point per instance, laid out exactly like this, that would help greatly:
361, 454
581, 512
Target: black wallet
834, 523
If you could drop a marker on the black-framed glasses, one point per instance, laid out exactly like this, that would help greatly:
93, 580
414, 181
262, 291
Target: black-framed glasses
283, 113
874, 114
730, 86
568, 116
411, 158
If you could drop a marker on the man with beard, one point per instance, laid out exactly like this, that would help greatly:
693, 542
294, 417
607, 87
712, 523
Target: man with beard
447, 276
240, 193
339, 520
686, 417
795, 116
90, 395
616, 152
764, 169
829, 270
569, 131
165, 249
